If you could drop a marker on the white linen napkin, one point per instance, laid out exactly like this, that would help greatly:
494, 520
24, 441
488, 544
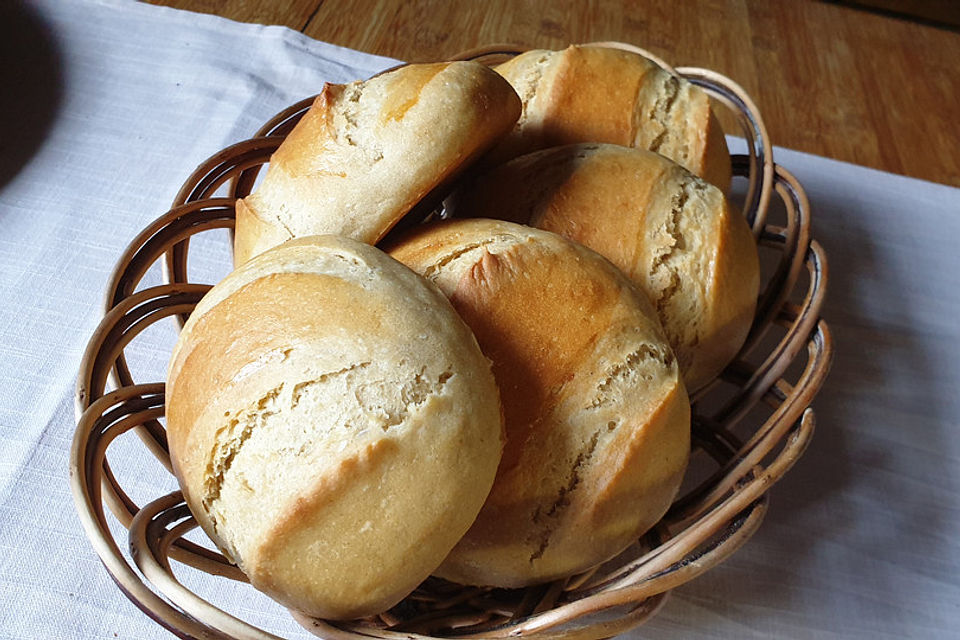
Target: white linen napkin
861, 539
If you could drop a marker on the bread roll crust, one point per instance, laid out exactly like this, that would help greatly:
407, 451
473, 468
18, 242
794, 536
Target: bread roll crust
601, 94
596, 415
365, 153
672, 233
333, 424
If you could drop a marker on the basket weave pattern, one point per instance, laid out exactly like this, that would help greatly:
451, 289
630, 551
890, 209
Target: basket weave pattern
749, 427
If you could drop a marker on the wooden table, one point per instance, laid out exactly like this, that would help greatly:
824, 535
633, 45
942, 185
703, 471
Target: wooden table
828, 79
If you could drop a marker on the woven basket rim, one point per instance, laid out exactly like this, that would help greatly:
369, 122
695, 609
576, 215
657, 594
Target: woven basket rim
702, 529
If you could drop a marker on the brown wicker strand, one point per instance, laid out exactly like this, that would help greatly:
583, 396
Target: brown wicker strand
85, 483
761, 442
103, 358
150, 541
799, 332
792, 242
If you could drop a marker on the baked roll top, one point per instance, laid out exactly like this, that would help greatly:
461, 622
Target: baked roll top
366, 152
333, 424
597, 418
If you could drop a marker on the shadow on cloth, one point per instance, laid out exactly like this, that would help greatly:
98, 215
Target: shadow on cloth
32, 80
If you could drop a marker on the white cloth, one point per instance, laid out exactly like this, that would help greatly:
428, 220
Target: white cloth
861, 538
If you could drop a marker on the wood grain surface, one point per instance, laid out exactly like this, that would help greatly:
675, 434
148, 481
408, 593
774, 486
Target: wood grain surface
828, 79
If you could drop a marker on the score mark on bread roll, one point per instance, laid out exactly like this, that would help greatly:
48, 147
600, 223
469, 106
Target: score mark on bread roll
597, 418
333, 424
366, 152
672, 233
601, 94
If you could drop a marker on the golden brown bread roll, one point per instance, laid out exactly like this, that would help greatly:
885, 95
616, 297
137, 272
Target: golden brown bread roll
672, 233
601, 94
366, 152
333, 424
597, 419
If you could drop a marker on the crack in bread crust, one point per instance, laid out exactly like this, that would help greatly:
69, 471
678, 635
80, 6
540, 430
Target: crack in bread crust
629, 367
435, 269
547, 519
529, 83
230, 441
662, 111
232, 437
666, 266
264, 429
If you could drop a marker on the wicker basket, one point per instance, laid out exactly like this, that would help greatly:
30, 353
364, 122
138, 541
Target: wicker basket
749, 426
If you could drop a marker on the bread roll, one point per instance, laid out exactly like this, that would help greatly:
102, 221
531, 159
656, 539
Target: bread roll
672, 233
366, 152
333, 424
600, 94
597, 419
